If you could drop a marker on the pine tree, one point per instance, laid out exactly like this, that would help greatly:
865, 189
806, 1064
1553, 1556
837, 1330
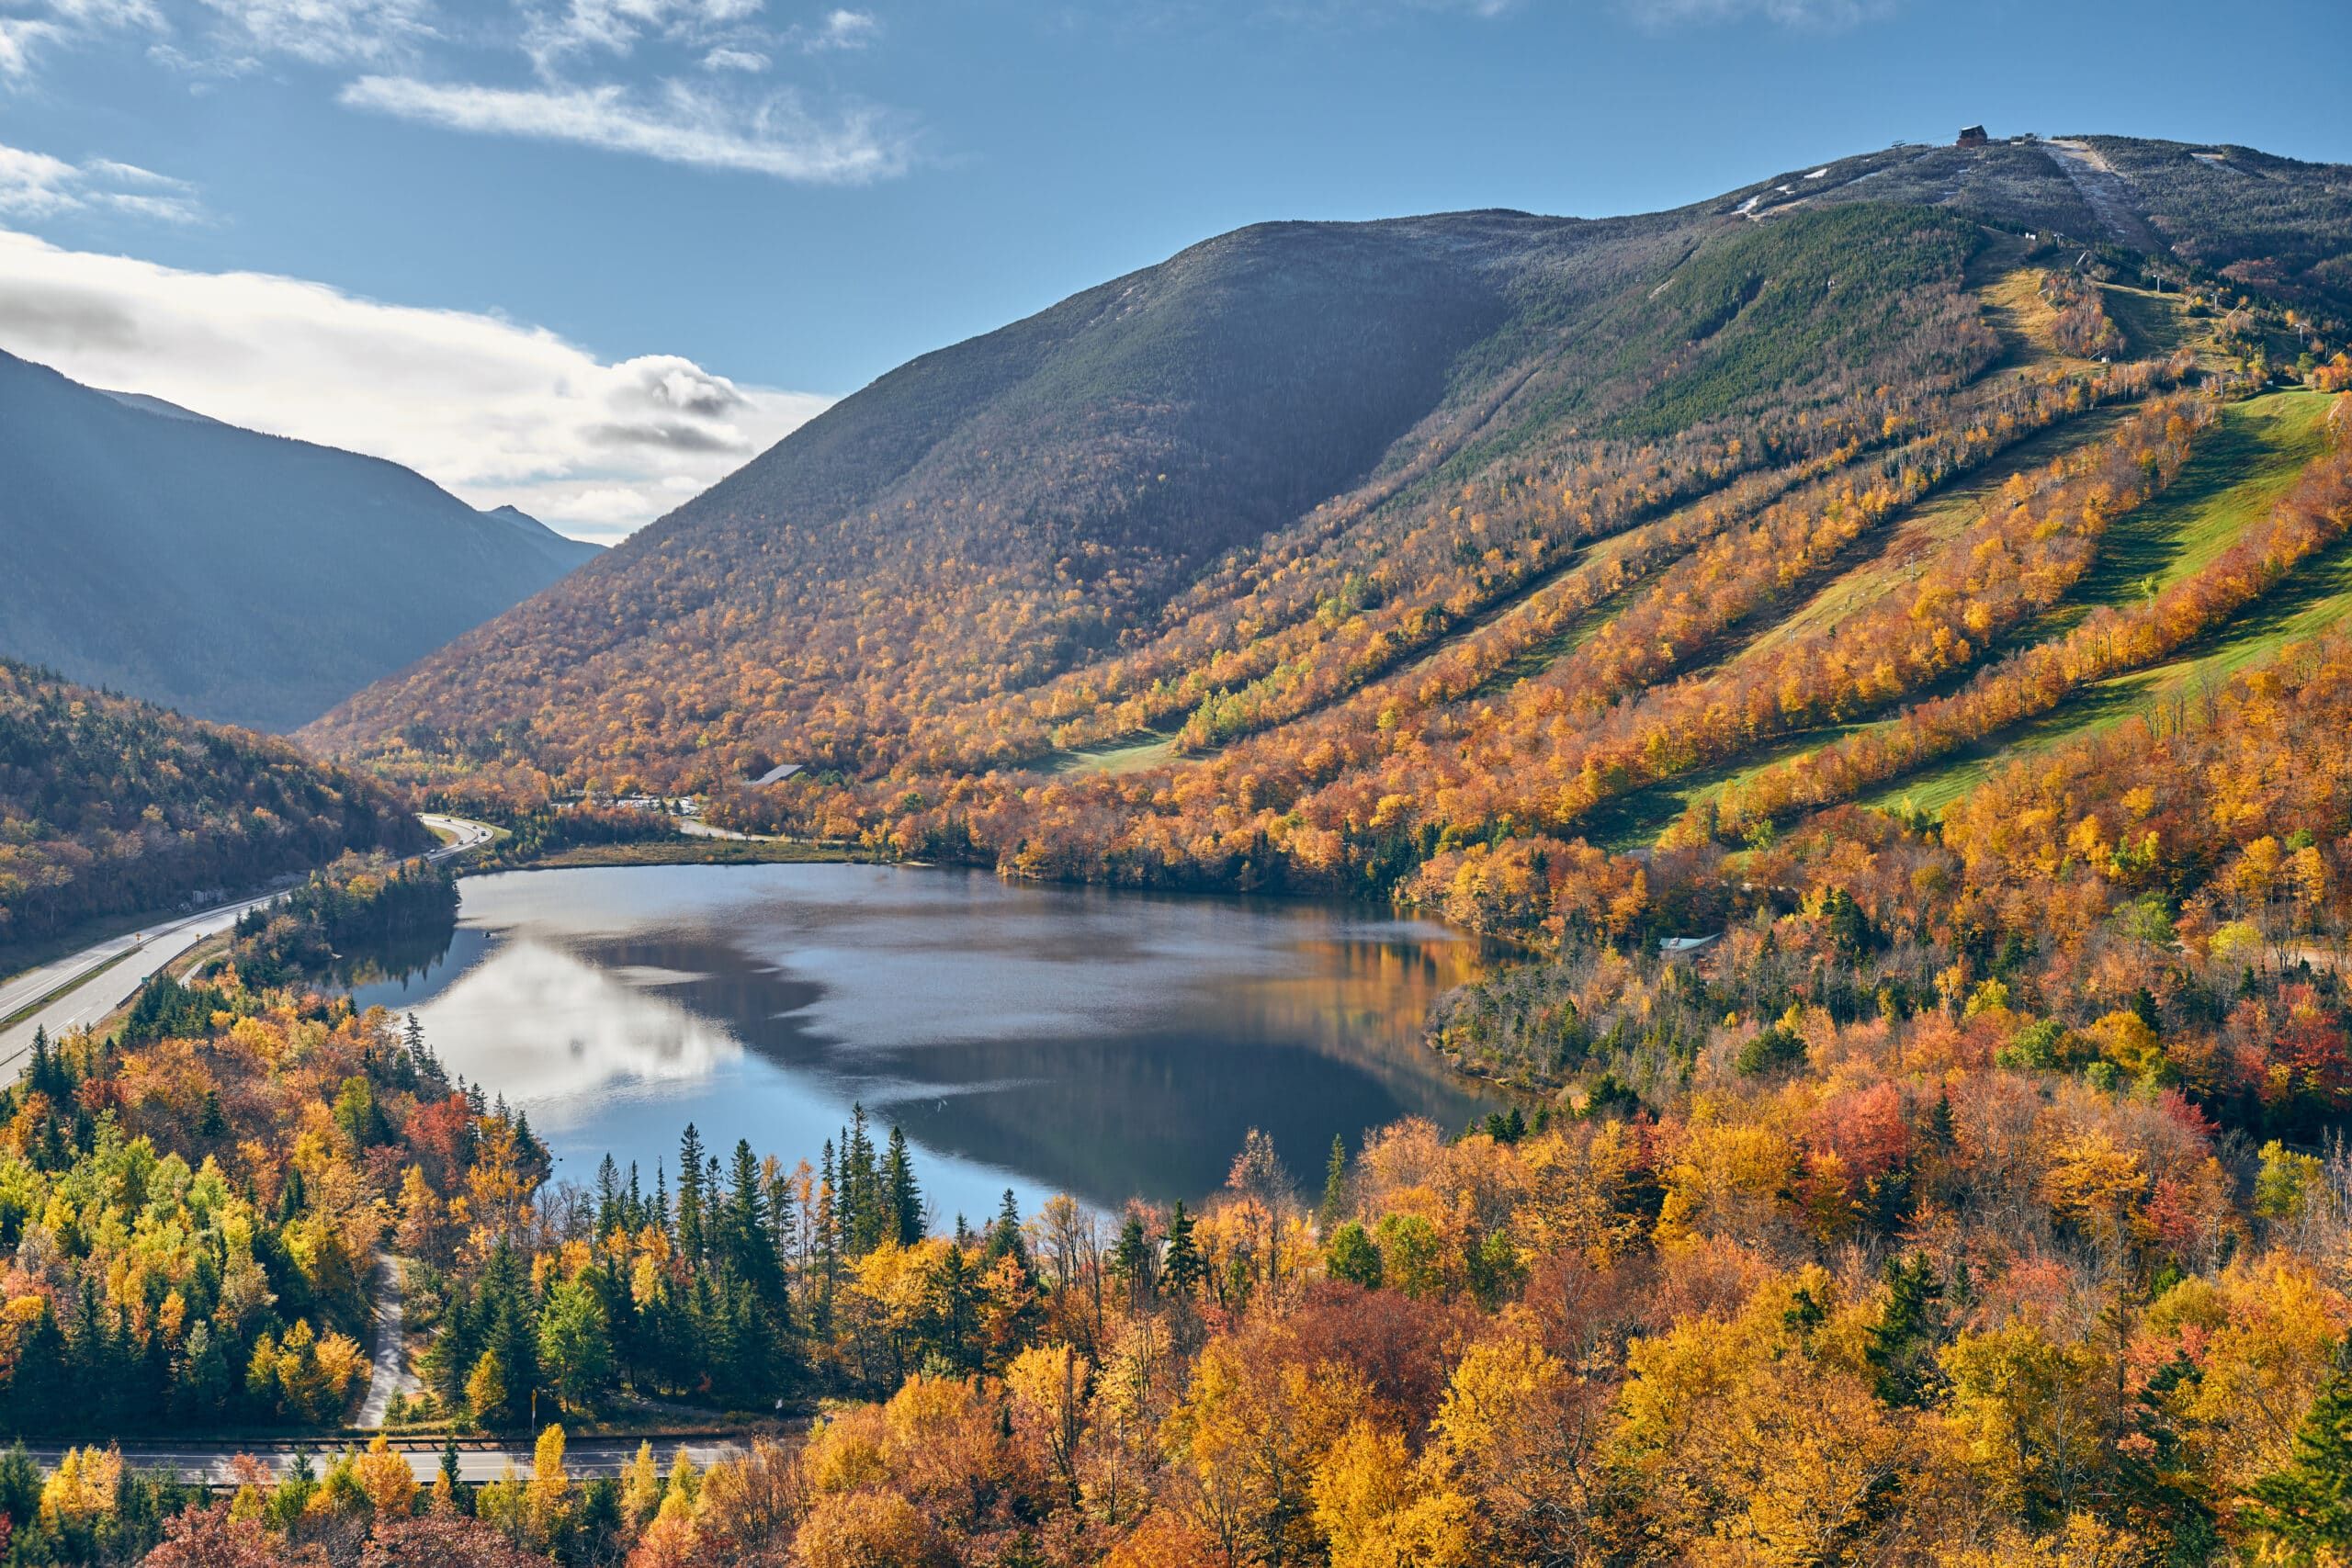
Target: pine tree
900, 1195
861, 1183
1005, 1237
1335, 1185
2306, 1507
951, 1283
751, 1245
1902, 1348
608, 1197
1183, 1267
691, 1239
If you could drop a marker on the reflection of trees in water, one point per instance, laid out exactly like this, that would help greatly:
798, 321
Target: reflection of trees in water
1161, 1114
1326, 1050
397, 961
1165, 1027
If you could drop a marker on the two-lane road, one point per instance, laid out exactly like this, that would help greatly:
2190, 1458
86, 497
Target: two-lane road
82, 989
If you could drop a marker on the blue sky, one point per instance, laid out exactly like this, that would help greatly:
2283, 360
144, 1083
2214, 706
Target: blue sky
657, 233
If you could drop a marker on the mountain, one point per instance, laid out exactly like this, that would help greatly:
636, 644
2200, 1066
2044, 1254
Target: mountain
235, 576
110, 806
1320, 550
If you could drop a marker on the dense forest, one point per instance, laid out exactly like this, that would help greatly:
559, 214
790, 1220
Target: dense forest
110, 807
1973, 1199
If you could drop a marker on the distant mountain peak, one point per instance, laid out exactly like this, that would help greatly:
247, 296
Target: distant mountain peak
231, 574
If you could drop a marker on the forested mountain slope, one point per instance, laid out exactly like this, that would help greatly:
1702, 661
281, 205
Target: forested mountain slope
235, 576
1320, 550
109, 805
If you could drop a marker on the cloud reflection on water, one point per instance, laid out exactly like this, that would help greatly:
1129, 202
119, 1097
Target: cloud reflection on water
1096, 1042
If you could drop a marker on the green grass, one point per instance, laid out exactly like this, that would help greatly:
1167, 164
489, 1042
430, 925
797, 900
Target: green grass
1632, 821
2230, 484
1925, 528
1130, 754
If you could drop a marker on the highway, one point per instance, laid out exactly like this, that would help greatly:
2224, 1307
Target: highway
85, 987
479, 1459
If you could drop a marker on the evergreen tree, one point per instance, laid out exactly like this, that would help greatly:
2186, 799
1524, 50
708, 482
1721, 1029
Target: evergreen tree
1183, 1267
608, 1196
1131, 1259
690, 1195
1005, 1237
1902, 1348
751, 1244
902, 1198
1941, 1131
860, 1195
952, 1302
1335, 1185
2305, 1508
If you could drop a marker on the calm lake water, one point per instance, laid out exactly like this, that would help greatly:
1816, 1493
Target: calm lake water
1049, 1039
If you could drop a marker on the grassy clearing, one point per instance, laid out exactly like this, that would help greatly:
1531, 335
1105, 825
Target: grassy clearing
2152, 323
1131, 753
2230, 484
2013, 307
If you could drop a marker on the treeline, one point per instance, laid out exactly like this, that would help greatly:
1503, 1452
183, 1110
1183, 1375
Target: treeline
532, 832
110, 806
344, 914
1361, 794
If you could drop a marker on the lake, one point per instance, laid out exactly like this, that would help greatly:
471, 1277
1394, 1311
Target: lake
1097, 1041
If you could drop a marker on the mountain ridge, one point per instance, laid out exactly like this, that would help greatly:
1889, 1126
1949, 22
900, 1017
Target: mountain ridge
1212, 498
239, 576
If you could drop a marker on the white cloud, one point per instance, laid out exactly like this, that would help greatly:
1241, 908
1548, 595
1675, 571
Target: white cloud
35, 186
327, 32
615, 27
726, 59
33, 25
19, 38
496, 412
842, 29
774, 136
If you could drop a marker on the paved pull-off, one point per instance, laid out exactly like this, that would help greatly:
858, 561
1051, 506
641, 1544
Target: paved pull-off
390, 1374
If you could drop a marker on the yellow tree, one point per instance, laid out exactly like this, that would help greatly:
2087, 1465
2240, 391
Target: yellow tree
388, 1480
1049, 1387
